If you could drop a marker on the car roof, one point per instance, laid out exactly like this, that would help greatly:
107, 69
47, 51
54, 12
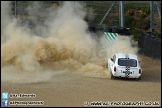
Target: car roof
124, 55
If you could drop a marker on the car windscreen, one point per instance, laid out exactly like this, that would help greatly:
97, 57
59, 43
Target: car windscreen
127, 62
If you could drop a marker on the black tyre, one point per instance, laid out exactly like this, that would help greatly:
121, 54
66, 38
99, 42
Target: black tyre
99, 28
108, 29
127, 32
141, 40
138, 78
118, 30
92, 28
111, 75
158, 36
151, 34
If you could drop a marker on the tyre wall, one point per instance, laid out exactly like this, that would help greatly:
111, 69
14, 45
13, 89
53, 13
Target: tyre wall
150, 44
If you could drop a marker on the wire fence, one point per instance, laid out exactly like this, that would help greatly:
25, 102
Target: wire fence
96, 10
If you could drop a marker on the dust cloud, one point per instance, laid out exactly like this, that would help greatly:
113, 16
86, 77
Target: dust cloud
66, 46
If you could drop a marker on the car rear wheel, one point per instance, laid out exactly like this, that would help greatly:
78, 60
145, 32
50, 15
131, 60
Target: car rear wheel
138, 78
111, 75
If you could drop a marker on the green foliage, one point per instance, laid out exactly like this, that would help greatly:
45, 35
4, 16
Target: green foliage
147, 11
142, 14
131, 12
129, 21
136, 33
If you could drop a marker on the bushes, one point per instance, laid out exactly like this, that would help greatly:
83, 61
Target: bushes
136, 33
129, 21
142, 14
131, 12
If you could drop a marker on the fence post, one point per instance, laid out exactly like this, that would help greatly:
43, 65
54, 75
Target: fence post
107, 13
158, 7
151, 16
121, 13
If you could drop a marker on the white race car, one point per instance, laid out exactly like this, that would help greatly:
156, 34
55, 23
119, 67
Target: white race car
124, 65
